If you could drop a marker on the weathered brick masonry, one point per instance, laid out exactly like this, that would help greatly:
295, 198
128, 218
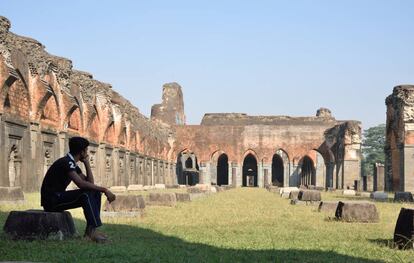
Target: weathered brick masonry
44, 101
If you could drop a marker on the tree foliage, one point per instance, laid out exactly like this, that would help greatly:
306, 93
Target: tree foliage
373, 143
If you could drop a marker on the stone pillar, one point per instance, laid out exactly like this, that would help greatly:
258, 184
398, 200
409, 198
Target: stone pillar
287, 168
294, 179
202, 173
260, 181
329, 174
115, 167
320, 171
379, 177
152, 172
237, 178
267, 174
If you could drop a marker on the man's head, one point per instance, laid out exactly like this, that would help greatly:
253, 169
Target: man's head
78, 146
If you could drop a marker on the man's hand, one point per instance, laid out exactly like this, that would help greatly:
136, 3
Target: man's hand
85, 159
110, 196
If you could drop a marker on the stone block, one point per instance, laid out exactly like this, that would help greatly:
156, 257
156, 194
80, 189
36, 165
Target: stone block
135, 187
118, 189
194, 196
125, 203
403, 197
365, 194
404, 229
357, 211
11, 194
293, 195
37, 224
328, 206
204, 187
349, 192
285, 195
183, 197
213, 189
227, 187
379, 196
194, 190
273, 189
299, 202
309, 195
287, 190
172, 186
182, 186
162, 199
159, 186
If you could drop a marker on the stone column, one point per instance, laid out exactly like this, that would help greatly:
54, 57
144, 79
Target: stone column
267, 174
260, 181
329, 174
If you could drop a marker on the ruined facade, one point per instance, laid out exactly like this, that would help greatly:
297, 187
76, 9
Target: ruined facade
399, 148
44, 101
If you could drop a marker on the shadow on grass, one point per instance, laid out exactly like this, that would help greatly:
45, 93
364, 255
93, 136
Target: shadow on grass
135, 244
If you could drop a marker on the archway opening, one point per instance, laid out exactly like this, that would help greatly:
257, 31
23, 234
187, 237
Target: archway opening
277, 170
189, 163
250, 171
223, 170
308, 175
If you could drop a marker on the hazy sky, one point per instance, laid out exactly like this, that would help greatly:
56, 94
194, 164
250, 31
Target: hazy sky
257, 57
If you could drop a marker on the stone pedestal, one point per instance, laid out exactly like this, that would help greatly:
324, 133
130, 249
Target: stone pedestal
403, 197
37, 224
125, 203
309, 195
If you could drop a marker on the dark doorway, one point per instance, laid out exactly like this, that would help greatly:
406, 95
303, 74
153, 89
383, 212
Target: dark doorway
189, 163
223, 170
308, 172
277, 170
249, 171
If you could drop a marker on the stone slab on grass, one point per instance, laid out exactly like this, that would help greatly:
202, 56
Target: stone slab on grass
183, 197
299, 202
403, 197
37, 224
404, 229
379, 196
349, 192
272, 189
365, 194
118, 189
162, 199
287, 190
309, 195
125, 203
159, 186
10, 194
357, 211
328, 206
129, 214
135, 187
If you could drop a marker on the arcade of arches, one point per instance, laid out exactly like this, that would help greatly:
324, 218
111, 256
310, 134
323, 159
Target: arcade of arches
45, 101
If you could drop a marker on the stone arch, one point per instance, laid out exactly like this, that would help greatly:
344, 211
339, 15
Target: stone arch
187, 169
74, 119
308, 173
250, 169
280, 168
93, 124
223, 169
48, 109
16, 97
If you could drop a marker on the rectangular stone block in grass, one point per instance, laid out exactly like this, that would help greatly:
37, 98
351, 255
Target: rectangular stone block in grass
404, 229
162, 199
357, 211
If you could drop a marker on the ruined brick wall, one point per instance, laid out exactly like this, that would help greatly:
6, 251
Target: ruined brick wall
44, 101
331, 144
171, 110
399, 149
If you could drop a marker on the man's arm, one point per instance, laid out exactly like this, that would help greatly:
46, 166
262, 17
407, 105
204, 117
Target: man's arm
89, 174
82, 184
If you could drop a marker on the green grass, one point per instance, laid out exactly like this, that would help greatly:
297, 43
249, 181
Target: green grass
240, 225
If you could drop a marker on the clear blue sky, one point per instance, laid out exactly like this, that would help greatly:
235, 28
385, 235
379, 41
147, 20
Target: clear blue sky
256, 57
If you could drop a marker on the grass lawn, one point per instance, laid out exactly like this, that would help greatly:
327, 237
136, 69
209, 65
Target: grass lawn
240, 225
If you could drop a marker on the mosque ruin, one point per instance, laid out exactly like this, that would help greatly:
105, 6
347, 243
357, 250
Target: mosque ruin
45, 101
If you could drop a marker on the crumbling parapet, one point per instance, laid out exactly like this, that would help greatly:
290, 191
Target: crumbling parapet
399, 148
171, 110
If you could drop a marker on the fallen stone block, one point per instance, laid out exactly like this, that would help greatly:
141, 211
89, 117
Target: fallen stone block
118, 189
183, 197
293, 195
349, 192
203, 187
299, 202
365, 194
194, 196
227, 187
404, 229
403, 197
182, 186
287, 190
37, 224
309, 195
379, 196
285, 195
135, 187
159, 186
125, 203
162, 199
172, 186
194, 190
218, 188
328, 206
11, 194
357, 211
129, 214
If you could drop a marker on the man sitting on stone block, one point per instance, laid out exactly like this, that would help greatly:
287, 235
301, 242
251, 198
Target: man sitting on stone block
55, 198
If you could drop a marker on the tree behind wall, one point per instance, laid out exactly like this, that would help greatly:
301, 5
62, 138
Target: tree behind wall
373, 144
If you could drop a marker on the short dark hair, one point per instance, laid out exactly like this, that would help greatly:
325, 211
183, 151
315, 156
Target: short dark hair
77, 145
